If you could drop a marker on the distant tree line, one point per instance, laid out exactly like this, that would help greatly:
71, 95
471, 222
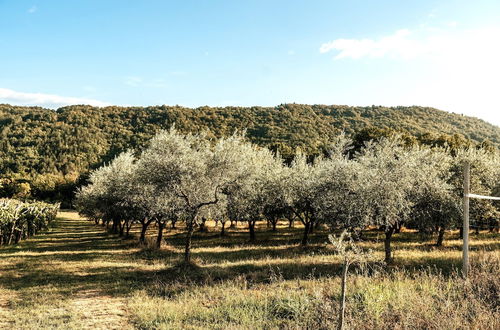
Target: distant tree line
189, 178
46, 154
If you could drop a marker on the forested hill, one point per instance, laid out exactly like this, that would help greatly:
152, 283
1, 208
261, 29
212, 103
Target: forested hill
44, 148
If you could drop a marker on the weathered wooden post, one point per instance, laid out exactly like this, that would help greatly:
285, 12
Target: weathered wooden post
465, 248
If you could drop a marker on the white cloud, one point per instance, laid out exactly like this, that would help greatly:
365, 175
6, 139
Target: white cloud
398, 44
32, 9
450, 68
45, 100
444, 43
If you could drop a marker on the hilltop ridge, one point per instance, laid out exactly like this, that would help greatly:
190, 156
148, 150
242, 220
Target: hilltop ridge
48, 147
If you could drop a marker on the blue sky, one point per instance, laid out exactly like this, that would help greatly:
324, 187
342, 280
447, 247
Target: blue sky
433, 53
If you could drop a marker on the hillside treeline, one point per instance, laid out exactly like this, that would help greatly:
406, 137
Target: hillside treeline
190, 178
45, 153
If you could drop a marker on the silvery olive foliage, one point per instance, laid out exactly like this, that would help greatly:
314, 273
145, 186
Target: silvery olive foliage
257, 191
436, 203
189, 178
342, 188
301, 191
195, 172
484, 177
109, 195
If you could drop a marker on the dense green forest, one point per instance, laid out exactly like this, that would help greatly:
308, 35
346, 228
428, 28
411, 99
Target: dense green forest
45, 153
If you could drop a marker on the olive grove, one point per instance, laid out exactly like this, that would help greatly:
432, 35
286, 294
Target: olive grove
190, 178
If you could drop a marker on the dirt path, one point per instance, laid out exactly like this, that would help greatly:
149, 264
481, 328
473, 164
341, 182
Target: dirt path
73, 277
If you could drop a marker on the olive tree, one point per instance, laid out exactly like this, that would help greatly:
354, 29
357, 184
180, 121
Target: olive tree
250, 197
301, 181
342, 189
106, 196
391, 168
436, 207
342, 195
274, 206
194, 171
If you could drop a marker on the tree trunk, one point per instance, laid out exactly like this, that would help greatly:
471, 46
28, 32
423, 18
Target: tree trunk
114, 228
17, 236
223, 228
11, 235
251, 227
145, 225
461, 235
187, 251
440, 236
161, 225
397, 229
387, 244
203, 227
31, 229
306, 233
274, 222
290, 223
345, 269
128, 225
121, 225
311, 227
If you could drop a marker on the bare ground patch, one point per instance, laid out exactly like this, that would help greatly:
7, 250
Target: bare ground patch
98, 310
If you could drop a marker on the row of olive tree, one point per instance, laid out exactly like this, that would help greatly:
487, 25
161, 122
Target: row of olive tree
190, 178
20, 220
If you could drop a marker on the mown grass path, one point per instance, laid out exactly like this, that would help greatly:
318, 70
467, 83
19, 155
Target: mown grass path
74, 276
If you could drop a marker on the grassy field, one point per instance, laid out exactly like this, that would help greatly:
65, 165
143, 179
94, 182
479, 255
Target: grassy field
79, 276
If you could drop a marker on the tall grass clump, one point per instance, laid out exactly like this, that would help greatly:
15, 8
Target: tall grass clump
376, 299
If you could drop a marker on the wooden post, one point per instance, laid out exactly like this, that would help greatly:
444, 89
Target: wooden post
465, 249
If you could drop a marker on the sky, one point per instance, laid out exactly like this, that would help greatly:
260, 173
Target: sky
444, 54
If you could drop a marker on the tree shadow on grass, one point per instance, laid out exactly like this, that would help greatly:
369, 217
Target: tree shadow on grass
113, 280
73, 256
239, 253
84, 243
240, 236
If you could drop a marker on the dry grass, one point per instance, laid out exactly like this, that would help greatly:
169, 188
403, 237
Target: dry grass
78, 276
